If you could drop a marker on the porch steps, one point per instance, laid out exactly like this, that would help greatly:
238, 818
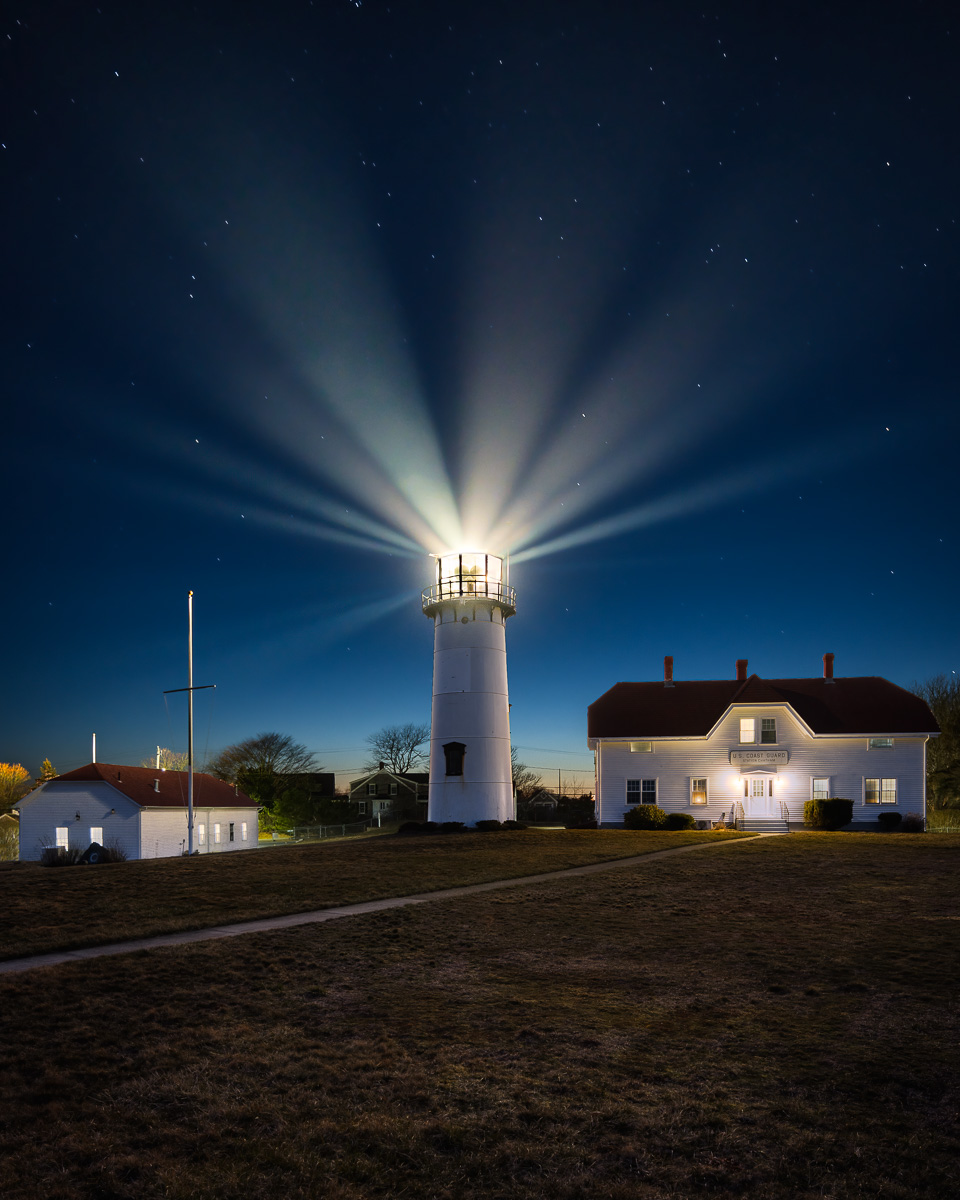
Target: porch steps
762, 825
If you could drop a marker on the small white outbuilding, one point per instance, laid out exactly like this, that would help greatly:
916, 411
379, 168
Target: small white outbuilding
139, 810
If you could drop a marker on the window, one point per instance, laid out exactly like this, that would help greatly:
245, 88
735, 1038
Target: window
201, 835
96, 834
748, 729
371, 789
641, 791
231, 830
757, 787
216, 833
879, 791
243, 831
63, 836
768, 730
819, 789
641, 747
454, 752
361, 808
698, 790
880, 744
393, 789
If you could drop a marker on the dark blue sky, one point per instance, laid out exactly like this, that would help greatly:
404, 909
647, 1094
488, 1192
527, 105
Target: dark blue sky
662, 303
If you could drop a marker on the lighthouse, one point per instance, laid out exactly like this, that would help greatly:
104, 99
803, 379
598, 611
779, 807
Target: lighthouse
470, 774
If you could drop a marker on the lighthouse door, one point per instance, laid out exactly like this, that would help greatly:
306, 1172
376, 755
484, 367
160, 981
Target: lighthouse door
758, 796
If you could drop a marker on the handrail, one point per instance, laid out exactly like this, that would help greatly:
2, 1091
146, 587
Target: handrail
469, 589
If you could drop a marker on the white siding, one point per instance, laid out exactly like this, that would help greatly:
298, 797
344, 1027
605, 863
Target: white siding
165, 830
846, 761
58, 804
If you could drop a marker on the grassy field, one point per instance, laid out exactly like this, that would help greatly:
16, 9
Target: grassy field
66, 907
776, 1019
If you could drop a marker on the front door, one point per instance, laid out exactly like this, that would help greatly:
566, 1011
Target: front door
758, 796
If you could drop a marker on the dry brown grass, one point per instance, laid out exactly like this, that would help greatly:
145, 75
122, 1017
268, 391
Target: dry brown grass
67, 907
775, 1020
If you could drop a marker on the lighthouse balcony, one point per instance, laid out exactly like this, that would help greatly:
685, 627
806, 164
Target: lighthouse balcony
467, 591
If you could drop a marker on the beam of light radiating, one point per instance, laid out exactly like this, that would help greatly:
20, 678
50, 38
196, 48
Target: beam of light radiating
706, 495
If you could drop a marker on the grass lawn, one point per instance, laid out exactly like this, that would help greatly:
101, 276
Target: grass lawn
62, 908
777, 1020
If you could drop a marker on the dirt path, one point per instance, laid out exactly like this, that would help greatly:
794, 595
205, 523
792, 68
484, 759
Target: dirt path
55, 958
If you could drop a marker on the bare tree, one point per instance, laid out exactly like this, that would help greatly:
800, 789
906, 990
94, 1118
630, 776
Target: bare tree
399, 747
170, 760
525, 780
265, 765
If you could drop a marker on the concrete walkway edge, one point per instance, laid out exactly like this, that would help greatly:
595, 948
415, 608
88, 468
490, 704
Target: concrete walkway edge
14, 966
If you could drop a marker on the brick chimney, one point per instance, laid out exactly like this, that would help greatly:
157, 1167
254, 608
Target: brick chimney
741, 670
828, 667
668, 670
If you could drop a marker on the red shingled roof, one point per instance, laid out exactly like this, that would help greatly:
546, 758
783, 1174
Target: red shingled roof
864, 705
138, 784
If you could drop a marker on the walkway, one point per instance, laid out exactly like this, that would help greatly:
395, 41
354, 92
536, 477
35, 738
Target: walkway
187, 937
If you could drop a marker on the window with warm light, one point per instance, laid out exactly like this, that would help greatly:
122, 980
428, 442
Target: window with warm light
201, 835
63, 837
698, 791
768, 731
96, 834
748, 729
243, 831
216, 833
879, 791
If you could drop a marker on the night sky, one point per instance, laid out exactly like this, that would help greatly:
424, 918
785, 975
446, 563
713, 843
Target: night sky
659, 299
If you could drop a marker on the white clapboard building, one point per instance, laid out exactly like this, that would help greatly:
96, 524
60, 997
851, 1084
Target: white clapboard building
755, 749
139, 810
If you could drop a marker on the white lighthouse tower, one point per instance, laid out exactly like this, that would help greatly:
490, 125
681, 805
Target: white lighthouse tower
470, 775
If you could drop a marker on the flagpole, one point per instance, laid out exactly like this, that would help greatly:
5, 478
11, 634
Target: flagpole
190, 723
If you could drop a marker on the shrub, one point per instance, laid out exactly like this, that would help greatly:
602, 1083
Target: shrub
680, 821
645, 816
827, 814
889, 821
450, 826
912, 823
488, 826
514, 825
60, 856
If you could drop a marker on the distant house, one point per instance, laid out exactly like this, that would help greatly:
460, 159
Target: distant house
397, 793
757, 749
140, 810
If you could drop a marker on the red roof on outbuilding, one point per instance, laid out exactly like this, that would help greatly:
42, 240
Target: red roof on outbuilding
137, 783
863, 705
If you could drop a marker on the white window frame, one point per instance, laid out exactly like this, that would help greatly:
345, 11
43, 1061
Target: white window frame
814, 780
361, 808
371, 789
748, 725
243, 831
96, 834
886, 790
635, 795
216, 832
749, 787
393, 787
201, 834
879, 743
764, 740
63, 837
641, 747
694, 779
